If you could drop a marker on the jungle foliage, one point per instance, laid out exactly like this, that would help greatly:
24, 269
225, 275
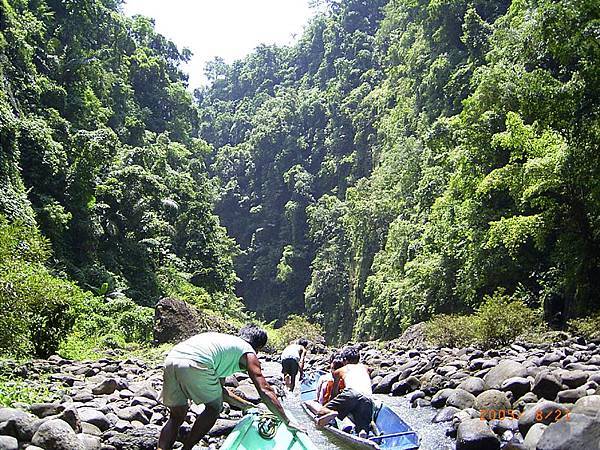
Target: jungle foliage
409, 158
98, 151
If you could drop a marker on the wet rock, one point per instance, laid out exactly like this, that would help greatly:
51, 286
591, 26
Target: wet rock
475, 434
56, 434
579, 432
492, 400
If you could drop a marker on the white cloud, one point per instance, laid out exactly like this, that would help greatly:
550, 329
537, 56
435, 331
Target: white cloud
227, 28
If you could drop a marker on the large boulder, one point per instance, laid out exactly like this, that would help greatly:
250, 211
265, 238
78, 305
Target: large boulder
56, 434
546, 385
589, 405
475, 434
9, 443
504, 370
577, 432
544, 412
461, 399
474, 385
386, 383
534, 435
176, 320
415, 335
519, 386
492, 400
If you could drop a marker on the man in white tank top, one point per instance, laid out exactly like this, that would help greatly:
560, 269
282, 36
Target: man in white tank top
292, 362
354, 400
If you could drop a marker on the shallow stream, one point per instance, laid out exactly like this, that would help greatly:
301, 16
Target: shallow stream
433, 436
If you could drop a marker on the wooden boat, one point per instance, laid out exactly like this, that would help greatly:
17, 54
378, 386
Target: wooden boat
263, 431
390, 432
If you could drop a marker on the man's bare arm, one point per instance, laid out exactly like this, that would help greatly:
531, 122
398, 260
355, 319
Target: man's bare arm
266, 392
234, 400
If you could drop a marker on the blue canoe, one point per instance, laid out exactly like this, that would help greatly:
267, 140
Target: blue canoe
391, 432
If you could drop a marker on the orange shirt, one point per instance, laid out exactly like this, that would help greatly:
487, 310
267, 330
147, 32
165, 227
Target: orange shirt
329, 389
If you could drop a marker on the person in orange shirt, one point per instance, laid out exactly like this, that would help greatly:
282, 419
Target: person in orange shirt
325, 383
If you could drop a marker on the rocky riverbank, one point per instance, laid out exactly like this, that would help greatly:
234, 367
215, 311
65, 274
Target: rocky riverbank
526, 396
103, 405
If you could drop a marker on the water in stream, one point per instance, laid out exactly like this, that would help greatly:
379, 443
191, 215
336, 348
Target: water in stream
432, 435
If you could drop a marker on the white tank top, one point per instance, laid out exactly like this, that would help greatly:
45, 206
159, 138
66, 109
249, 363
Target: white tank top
357, 378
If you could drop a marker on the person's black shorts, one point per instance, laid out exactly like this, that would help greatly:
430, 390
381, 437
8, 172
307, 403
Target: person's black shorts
290, 366
352, 403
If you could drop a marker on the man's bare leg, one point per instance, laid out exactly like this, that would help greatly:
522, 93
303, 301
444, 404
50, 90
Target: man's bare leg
325, 415
203, 423
168, 434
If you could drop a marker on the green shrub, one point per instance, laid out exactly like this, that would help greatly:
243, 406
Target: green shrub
451, 330
588, 327
38, 308
23, 391
295, 327
500, 319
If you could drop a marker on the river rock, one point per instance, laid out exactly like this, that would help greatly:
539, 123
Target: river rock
574, 378
46, 409
445, 414
71, 416
8, 443
544, 412
135, 439
579, 432
519, 386
248, 392
408, 385
11, 413
90, 442
546, 385
504, 370
492, 399
56, 434
440, 397
461, 399
132, 413
571, 395
106, 387
475, 434
589, 405
386, 383
95, 417
473, 385
534, 435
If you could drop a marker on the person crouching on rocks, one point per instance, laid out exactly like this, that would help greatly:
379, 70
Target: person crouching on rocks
292, 362
325, 381
196, 369
354, 400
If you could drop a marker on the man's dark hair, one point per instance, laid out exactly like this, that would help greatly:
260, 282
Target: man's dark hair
337, 363
254, 335
351, 355
303, 342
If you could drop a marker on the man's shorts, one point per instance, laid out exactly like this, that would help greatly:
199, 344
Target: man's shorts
185, 380
355, 404
290, 366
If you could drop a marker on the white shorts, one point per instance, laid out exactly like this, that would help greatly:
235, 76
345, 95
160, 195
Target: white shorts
185, 380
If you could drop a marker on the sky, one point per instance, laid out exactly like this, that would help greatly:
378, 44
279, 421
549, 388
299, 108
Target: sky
227, 28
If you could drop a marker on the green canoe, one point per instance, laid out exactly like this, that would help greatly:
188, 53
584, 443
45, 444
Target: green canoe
263, 432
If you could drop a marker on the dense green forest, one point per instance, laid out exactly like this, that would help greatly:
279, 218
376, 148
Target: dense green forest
410, 157
404, 158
